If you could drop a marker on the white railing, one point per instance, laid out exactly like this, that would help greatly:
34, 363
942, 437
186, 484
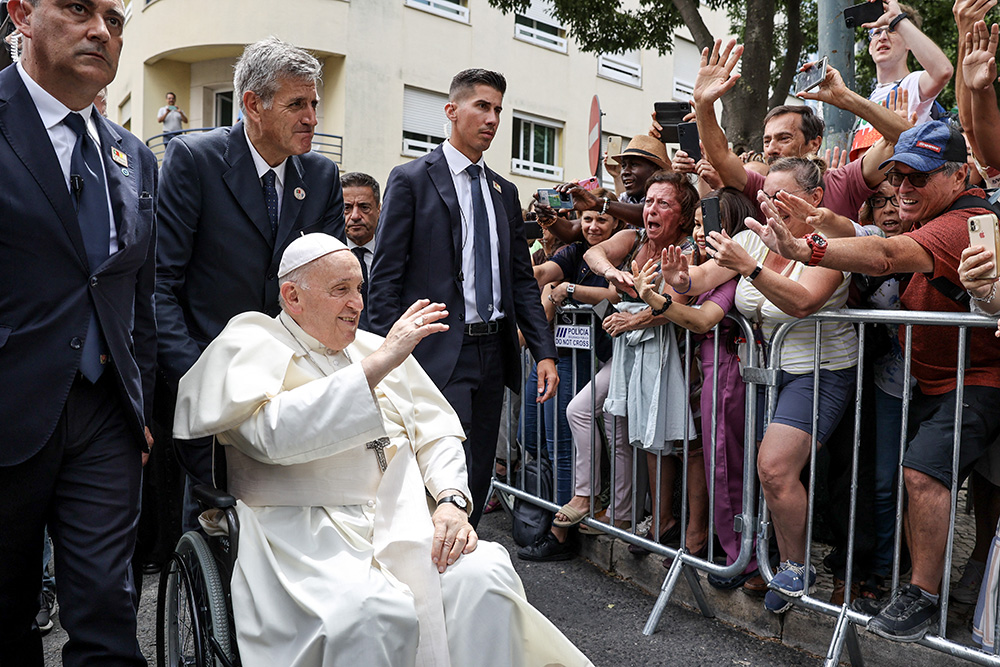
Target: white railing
449, 9
540, 38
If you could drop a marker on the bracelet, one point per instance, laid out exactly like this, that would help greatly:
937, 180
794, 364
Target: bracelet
987, 298
666, 304
604, 209
688, 287
893, 23
756, 272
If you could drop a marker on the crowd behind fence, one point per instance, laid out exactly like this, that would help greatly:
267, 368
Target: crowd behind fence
753, 521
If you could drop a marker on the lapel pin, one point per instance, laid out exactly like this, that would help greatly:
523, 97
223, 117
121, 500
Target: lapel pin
119, 157
125, 171
496, 186
300, 193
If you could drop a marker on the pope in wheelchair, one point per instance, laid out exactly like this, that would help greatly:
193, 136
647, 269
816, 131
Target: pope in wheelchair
346, 462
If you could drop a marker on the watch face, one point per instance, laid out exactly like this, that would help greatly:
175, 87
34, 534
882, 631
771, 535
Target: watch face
457, 500
818, 241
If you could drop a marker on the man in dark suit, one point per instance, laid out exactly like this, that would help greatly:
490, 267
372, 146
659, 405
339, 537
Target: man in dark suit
447, 217
362, 203
230, 201
77, 338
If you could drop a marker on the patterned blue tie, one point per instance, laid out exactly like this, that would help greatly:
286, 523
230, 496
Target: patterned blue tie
90, 188
481, 247
271, 199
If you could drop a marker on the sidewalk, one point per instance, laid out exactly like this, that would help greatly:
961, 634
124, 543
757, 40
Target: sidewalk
798, 628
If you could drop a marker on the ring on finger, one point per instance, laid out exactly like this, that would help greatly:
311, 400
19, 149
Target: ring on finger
419, 321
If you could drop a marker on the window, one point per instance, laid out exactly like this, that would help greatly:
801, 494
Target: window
424, 122
687, 59
457, 10
537, 27
536, 147
224, 108
623, 68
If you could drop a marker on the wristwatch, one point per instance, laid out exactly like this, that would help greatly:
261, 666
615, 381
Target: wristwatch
570, 288
663, 308
457, 500
818, 246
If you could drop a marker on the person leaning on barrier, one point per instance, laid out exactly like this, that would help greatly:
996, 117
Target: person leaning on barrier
335, 438
563, 279
771, 292
929, 171
646, 365
709, 310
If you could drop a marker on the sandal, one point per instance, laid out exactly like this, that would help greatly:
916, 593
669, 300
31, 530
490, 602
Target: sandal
573, 516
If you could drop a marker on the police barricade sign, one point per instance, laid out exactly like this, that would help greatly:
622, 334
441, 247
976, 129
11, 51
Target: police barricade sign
573, 335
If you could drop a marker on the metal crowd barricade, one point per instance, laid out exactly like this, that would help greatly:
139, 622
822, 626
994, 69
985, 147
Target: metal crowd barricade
846, 617
684, 562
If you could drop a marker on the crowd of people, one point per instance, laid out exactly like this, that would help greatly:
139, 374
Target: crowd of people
883, 227
338, 357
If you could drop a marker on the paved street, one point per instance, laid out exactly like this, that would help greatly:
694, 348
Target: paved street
601, 614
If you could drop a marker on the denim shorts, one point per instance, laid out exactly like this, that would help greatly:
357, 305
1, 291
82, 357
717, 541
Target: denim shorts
795, 401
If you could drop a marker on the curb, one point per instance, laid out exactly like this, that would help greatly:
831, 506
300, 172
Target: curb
798, 628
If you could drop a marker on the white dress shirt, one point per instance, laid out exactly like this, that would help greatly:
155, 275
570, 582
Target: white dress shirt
263, 167
457, 163
369, 256
63, 138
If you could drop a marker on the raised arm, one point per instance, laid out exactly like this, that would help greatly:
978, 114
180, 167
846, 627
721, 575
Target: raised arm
980, 69
967, 13
604, 257
715, 78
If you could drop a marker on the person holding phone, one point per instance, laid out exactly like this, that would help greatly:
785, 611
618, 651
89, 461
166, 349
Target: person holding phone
172, 118
770, 292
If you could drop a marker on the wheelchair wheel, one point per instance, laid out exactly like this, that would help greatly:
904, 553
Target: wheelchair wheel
192, 618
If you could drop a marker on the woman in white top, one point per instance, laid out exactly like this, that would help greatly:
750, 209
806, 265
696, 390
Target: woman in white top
772, 291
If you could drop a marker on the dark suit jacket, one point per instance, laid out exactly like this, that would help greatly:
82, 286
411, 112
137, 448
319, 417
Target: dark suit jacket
46, 286
215, 253
418, 255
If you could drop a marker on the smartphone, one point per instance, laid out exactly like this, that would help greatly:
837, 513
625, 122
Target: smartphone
812, 77
866, 12
555, 199
590, 184
669, 115
687, 137
614, 148
984, 230
711, 218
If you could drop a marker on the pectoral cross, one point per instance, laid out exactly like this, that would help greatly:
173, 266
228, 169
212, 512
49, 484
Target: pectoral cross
379, 445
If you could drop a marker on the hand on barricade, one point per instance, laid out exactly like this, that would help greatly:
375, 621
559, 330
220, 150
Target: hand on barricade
618, 323
980, 64
453, 535
715, 76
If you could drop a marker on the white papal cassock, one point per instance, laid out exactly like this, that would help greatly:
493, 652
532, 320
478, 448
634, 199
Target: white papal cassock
334, 562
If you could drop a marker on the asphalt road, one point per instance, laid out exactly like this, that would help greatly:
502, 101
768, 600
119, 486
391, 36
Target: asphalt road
603, 615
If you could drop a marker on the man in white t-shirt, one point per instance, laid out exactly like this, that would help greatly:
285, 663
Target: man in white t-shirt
172, 118
891, 39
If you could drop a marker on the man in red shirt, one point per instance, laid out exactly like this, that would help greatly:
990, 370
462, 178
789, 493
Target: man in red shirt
929, 171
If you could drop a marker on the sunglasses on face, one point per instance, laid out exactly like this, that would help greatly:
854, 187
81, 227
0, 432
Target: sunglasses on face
878, 201
917, 179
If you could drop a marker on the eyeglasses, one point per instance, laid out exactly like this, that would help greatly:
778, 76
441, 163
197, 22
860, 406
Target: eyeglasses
787, 192
878, 201
917, 179
875, 33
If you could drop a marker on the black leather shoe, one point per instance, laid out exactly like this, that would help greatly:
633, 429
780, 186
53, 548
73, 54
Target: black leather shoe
549, 548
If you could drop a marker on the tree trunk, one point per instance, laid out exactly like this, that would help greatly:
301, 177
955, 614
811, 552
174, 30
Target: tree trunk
743, 115
688, 10
789, 65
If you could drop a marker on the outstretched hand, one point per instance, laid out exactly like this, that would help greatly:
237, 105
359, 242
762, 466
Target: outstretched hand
775, 234
980, 64
620, 280
715, 77
647, 280
419, 321
729, 254
674, 268
829, 88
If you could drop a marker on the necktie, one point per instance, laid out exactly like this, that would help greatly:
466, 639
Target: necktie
359, 252
91, 194
481, 247
271, 199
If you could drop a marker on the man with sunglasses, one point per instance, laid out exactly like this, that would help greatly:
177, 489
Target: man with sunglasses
890, 40
929, 172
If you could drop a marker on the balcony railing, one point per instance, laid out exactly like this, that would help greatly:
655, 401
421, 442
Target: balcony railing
330, 145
